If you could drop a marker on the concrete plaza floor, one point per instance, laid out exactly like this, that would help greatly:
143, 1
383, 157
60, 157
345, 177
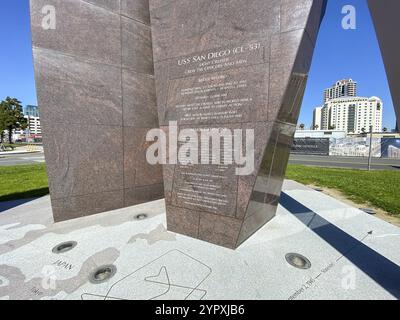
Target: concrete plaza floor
353, 255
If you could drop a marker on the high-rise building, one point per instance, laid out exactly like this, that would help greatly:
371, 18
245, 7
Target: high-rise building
352, 114
32, 115
31, 111
343, 110
342, 88
34, 129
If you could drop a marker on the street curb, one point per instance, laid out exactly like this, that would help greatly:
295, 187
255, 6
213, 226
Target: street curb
16, 153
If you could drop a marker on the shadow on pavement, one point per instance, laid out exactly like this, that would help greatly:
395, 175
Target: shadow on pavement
383, 271
6, 205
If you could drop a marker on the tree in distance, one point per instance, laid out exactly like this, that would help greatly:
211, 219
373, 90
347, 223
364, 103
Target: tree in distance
11, 118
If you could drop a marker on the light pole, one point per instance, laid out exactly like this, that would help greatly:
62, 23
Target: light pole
370, 148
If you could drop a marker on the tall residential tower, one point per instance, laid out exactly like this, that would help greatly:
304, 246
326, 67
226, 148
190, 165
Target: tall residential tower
342, 88
343, 110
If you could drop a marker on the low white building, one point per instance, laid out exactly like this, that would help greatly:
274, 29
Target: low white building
335, 134
352, 114
34, 127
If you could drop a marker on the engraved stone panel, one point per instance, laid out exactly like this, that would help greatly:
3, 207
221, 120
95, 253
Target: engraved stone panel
95, 84
231, 66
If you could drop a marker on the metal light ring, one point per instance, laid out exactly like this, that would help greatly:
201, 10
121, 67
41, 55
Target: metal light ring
64, 247
103, 274
298, 261
141, 216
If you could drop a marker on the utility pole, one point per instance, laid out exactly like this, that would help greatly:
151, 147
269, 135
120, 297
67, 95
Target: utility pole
370, 148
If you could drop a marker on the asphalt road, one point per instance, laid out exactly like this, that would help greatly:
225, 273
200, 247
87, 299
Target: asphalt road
345, 162
16, 159
321, 161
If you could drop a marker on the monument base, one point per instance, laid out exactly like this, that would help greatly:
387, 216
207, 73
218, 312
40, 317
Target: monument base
351, 254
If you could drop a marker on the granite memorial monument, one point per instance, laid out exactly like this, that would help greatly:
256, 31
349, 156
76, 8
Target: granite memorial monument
230, 65
95, 85
228, 73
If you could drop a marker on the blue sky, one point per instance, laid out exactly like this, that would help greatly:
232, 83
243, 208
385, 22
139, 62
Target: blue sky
343, 54
17, 79
339, 54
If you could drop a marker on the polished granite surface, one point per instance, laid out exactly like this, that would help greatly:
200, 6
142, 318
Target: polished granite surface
231, 65
384, 15
95, 87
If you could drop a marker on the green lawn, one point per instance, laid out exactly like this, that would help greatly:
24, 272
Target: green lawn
23, 181
380, 188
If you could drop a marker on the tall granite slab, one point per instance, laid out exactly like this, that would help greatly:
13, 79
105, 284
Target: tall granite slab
385, 17
236, 65
95, 86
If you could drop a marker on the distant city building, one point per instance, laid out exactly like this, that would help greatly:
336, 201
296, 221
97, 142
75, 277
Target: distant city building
34, 126
31, 111
317, 118
34, 129
344, 111
353, 114
33, 116
342, 88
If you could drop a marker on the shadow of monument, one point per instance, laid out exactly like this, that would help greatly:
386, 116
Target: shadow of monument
383, 271
6, 205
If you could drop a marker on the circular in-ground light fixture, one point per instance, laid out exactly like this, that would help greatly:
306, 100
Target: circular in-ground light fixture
298, 261
103, 274
368, 210
64, 247
141, 216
